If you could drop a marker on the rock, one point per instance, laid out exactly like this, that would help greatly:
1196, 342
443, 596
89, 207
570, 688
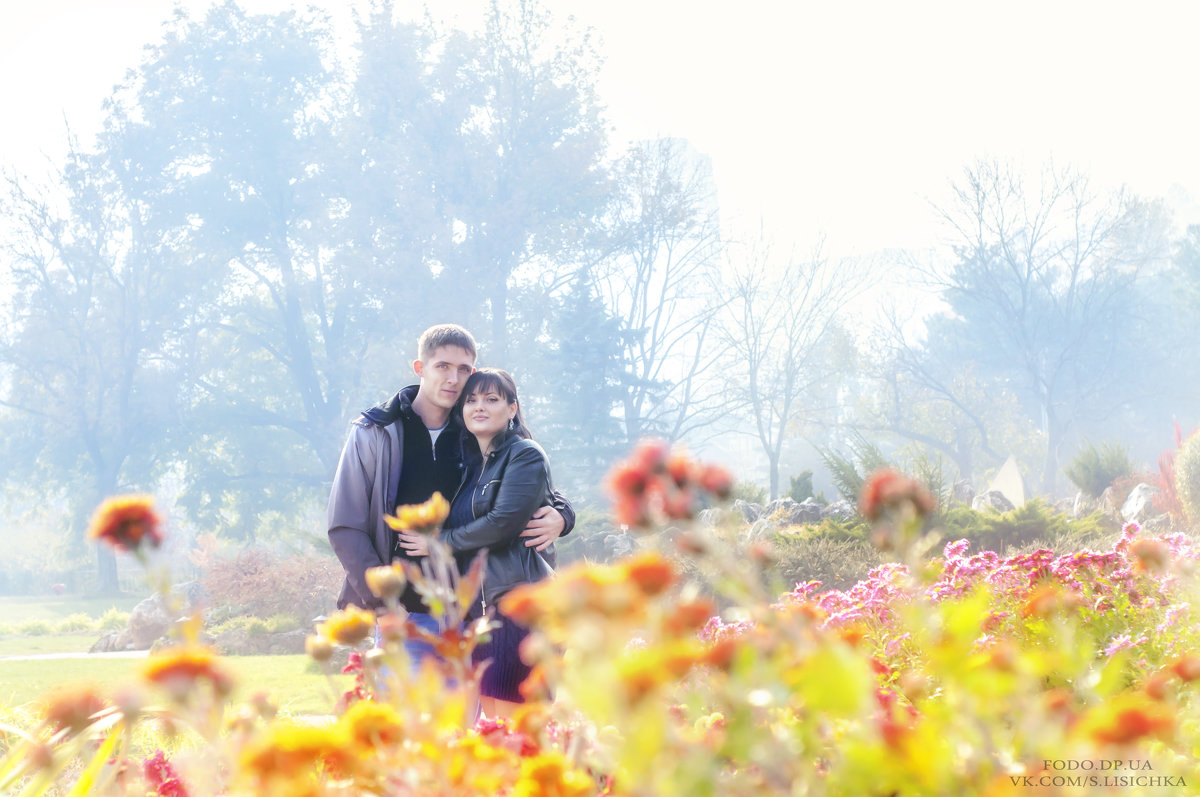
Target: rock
238, 642
763, 527
750, 512
1139, 506
838, 510
106, 643
618, 545
710, 518
1108, 501
1082, 505
992, 499
963, 492
147, 622
787, 512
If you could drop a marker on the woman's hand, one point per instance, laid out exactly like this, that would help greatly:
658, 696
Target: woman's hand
543, 528
413, 543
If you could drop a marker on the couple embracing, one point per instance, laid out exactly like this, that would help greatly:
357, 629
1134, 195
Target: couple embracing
460, 432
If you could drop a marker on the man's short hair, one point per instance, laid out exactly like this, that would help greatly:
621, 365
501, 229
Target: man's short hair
440, 335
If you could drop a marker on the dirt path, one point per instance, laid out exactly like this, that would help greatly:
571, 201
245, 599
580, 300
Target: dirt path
120, 654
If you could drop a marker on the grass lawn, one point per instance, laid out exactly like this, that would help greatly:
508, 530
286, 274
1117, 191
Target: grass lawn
18, 645
288, 679
16, 609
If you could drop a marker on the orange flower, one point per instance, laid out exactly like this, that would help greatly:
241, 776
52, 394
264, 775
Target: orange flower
887, 491
523, 604
349, 626
1128, 717
1187, 667
650, 571
425, 518
178, 669
1047, 600
72, 707
548, 774
689, 615
681, 469
1150, 555
650, 455
127, 522
318, 647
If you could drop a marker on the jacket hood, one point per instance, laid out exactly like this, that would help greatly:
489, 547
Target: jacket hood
393, 409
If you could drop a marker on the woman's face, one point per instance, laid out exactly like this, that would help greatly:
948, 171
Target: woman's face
487, 414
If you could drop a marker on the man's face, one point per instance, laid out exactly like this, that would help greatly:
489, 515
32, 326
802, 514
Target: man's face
443, 374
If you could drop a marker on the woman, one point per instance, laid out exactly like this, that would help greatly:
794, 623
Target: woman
506, 478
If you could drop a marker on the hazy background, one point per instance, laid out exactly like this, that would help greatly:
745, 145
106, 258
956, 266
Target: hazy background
959, 232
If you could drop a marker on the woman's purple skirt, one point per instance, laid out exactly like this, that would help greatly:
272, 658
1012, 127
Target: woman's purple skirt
502, 678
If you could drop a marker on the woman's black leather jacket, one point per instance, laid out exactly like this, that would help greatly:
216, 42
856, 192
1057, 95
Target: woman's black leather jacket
514, 482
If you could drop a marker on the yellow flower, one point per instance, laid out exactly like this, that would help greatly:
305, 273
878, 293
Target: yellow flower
318, 647
548, 774
126, 522
178, 669
291, 752
370, 724
348, 627
386, 582
425, 518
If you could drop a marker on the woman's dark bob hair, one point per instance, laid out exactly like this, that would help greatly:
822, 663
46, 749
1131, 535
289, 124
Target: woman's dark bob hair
487, 380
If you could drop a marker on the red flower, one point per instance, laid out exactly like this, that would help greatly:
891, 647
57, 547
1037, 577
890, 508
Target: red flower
127, 522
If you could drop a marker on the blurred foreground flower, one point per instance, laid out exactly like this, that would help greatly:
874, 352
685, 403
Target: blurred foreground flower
178, 669
655, 484
127, 522
425, 518
347, 627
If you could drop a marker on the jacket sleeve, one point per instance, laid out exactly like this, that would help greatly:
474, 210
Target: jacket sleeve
521, 491
349, 513
565, 509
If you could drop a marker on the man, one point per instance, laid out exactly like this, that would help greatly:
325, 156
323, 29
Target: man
402, 452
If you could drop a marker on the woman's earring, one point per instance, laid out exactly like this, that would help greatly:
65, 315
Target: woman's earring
510, 424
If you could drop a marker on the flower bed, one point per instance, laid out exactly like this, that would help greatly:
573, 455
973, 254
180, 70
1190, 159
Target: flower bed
965, 673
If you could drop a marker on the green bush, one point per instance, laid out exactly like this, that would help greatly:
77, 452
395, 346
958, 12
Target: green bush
75, 622
34, 628
838, 563
802, 486
113, 620
1036, 521
1095, 467
281, 623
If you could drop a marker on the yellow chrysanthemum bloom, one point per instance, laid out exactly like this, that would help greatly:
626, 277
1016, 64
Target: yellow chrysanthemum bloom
549, 775
347, 627
178, 669
386, 582
293, 752
370, 724
425, 518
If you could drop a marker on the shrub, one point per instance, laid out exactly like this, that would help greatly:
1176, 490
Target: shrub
76, 622
802, 486
260, 583
1095, 467
113, 620
1187, 478
1033, 522
34, 628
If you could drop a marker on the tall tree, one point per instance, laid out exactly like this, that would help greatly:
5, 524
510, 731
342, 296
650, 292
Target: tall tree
526, 179
787, 351
92, 397
660, 278
1042, 291
225, 132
